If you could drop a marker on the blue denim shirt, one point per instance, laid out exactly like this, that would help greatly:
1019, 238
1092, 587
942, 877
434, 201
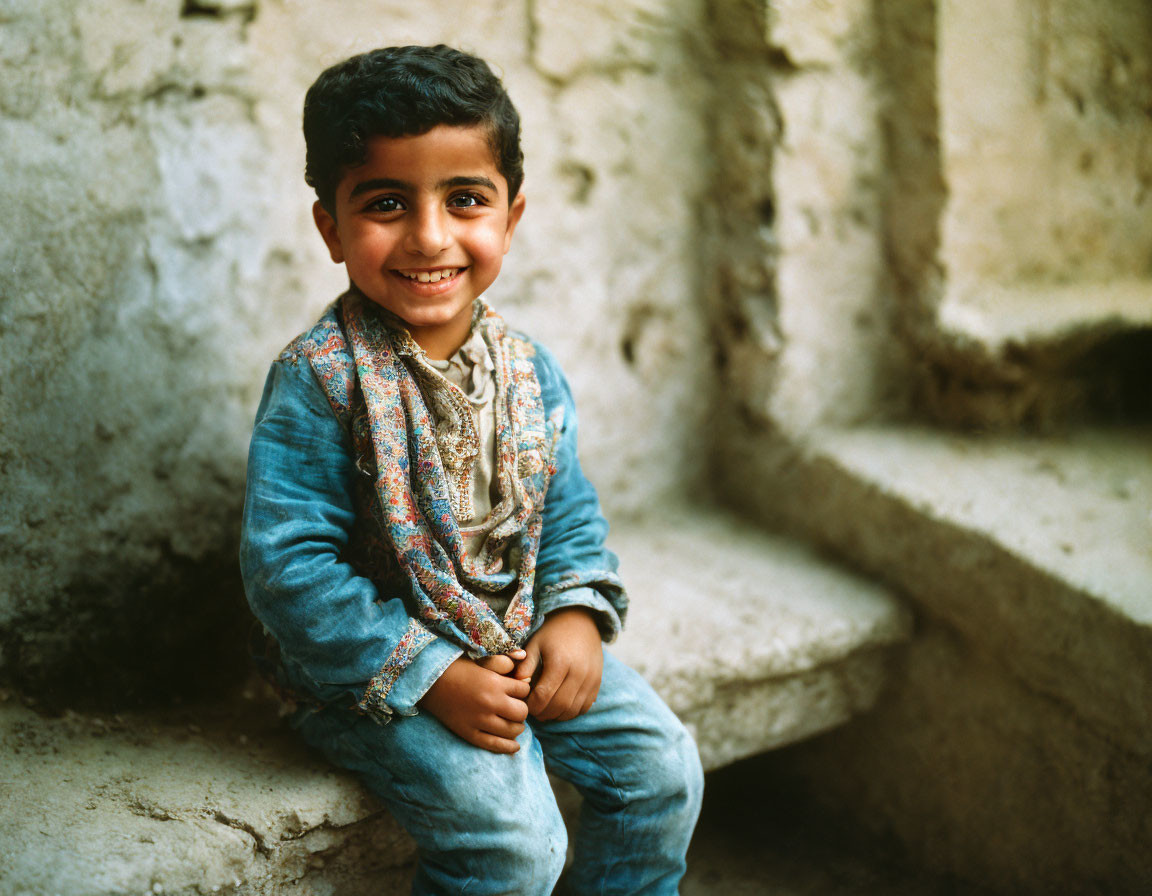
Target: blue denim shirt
333, 626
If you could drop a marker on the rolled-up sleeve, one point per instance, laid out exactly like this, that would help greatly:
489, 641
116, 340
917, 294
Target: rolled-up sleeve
330, 622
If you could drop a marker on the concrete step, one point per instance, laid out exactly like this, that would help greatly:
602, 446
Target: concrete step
1023, 704
1034, 548
752, 639
205, 800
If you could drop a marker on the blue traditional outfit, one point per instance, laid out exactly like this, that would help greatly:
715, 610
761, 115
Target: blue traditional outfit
363, 559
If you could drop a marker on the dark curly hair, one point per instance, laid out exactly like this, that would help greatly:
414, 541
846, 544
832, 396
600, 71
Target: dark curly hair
400, 92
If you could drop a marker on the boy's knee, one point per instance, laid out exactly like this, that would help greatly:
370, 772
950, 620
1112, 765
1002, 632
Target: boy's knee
541, 851
527, 838
517, 847
678, 775
529, 849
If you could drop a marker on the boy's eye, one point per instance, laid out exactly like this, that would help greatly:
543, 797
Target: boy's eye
386, 204
465, 200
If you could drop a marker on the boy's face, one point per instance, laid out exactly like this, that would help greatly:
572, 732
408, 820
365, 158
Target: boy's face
422, 227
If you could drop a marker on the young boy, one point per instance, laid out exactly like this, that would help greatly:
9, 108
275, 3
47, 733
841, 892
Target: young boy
418, 538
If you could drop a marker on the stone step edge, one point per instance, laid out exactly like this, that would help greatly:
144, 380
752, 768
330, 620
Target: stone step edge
722, 609
1066, 638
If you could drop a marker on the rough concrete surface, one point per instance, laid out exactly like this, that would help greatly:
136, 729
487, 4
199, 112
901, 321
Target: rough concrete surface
225, 802
829, 168
1017, 206
1045, 544
760, 836
1015, 746
218, 800
753, 640
1044, 133
1022, 706
997, 316
977, 775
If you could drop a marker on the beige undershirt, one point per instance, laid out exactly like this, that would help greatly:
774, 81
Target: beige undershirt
471, 370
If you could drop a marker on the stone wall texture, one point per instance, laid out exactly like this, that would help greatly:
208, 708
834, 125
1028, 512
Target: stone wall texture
934, 242
1062, 193
158, 251
1021, 144
752, 227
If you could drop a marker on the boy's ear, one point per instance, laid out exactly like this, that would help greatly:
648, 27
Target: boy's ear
326, 224
515, 211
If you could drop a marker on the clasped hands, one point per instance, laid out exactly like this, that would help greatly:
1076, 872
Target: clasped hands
555, 676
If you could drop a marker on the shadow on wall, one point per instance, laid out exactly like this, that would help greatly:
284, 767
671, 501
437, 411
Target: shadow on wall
131, 339
176, 631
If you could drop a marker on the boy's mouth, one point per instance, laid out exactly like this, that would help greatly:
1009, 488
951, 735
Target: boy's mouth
431, 276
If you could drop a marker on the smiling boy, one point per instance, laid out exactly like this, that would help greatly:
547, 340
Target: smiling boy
418, 538
422, 226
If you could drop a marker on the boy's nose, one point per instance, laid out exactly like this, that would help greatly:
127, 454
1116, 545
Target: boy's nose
428, 233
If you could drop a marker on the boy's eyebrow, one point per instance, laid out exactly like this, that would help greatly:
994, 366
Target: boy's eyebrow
388, 183
379, 183
478, 181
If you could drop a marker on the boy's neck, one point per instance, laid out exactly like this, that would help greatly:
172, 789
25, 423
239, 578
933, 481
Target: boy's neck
439, 346
443, 341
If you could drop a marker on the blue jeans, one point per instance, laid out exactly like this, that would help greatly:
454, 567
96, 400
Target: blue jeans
488, 824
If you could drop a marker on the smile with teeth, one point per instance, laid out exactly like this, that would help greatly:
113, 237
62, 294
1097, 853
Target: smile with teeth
430, 276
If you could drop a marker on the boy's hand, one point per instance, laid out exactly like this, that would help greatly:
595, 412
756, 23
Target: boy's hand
502, 664
478, 703
567, 655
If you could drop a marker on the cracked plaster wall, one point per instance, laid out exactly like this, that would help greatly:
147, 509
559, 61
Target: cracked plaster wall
1020, 142
158, 252
886, 197
800, 299
1047, 139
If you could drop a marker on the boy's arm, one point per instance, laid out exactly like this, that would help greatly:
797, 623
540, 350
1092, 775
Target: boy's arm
298, 514
579, 597
573, 567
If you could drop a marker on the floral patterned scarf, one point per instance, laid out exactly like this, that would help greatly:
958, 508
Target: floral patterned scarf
413, 517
